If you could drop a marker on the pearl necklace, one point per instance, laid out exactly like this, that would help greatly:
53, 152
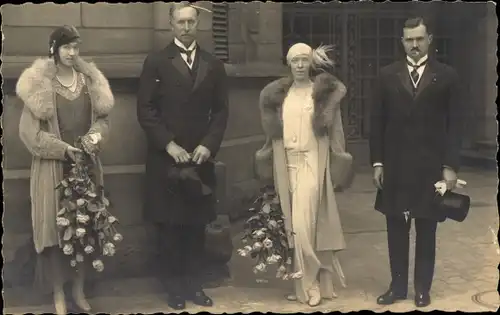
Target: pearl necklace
72, 82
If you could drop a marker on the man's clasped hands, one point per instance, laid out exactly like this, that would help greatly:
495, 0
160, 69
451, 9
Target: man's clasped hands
180, 155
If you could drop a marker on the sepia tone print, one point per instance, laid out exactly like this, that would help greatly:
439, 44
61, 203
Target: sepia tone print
249, 157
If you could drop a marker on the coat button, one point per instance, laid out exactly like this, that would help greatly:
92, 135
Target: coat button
294, 139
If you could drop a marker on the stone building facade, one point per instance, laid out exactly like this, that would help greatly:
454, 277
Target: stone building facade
251, 38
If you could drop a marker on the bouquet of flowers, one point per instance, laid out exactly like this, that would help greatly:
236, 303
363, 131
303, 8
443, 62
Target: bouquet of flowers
86, 227
265, 236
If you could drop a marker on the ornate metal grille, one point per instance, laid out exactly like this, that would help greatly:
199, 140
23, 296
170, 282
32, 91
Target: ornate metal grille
366, 36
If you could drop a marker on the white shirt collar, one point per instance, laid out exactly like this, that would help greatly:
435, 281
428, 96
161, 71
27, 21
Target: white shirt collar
181, 45
422, 60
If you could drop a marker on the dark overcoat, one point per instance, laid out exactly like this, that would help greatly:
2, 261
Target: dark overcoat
414, 135
189, 107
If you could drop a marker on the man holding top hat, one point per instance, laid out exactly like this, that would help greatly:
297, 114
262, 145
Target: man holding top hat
182, 107
415, 141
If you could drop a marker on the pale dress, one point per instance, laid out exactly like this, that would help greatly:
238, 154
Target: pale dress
301, 147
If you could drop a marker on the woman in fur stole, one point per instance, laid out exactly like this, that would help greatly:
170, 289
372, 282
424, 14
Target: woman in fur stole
64, 98
302, 122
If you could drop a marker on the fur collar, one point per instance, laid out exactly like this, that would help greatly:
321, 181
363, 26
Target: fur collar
328, 91
34, 87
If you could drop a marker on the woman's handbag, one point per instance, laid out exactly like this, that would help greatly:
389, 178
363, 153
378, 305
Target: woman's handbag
264, 162
341, 170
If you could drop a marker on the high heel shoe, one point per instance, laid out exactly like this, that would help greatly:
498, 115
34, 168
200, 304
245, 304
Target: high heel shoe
79, 299
314, 297
291, 297
60, 302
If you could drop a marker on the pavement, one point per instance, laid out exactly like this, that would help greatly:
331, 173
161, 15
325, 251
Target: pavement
466, 275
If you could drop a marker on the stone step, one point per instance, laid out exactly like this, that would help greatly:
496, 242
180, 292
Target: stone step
487, 145
479, 158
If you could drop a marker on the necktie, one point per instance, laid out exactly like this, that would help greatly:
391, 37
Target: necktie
414, 74
188, 54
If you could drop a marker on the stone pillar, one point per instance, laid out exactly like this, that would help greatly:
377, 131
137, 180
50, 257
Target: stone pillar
490, 89
270, 37
243, 32
161, 24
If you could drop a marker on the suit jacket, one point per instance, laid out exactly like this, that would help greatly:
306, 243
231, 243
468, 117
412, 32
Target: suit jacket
414, 134
188, 107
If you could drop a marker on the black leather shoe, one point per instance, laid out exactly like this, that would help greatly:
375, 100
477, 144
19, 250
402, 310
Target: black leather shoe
201, 299
422, 299
176, 302
390, 297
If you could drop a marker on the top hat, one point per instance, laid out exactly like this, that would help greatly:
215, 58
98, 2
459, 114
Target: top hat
453, 205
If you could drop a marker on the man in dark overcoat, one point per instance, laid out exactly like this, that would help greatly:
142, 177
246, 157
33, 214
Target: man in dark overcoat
183, 108
415, 141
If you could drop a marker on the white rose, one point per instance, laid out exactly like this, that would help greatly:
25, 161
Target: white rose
109, 249
271, 260
80, 232
118, 237
89, 249
98, 265
79, 257
261, 267
281, 272
81, 218
257, 246
62, 222
68, 249
242, 252
268, 243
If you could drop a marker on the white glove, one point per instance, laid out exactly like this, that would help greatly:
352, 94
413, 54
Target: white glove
441, 186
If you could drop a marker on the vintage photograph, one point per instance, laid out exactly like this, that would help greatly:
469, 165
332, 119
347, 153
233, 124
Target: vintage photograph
229, 157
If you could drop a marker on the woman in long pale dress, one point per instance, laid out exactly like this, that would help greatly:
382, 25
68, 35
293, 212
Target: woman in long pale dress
302, 121
64, 98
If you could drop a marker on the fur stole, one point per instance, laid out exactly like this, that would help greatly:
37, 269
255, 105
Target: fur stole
34, 88
328, 91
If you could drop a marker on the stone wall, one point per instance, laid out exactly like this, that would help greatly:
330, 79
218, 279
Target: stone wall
133, 28
117, 37
490, 22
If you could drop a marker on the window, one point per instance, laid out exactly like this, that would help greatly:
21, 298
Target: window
220, 30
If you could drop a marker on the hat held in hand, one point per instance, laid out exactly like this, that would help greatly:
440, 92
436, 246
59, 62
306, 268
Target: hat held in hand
188, 181
450, 204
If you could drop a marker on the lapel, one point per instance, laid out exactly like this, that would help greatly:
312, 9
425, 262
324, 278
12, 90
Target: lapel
428, 76
404, 77
202, 70
175, 58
